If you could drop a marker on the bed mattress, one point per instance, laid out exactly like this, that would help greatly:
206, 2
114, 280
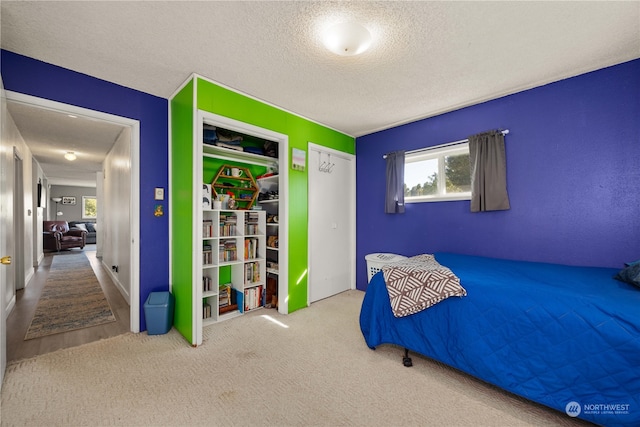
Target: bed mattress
564, 336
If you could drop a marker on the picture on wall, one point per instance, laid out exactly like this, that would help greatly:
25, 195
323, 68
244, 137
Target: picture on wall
68, 200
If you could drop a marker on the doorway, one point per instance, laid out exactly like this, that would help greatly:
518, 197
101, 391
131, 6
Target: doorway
132, 215
332, 179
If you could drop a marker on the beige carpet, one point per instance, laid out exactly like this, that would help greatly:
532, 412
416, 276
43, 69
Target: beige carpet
71, 299
309, 368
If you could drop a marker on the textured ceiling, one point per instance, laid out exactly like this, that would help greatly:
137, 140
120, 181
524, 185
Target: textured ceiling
426, 58
50, 134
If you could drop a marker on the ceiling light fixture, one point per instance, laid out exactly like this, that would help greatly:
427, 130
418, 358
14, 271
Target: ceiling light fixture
347, 39
70, 155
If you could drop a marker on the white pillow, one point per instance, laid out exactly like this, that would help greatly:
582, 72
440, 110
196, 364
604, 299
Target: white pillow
81, 227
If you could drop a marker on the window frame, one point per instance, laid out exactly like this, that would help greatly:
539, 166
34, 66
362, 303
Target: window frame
438, 153
84, 211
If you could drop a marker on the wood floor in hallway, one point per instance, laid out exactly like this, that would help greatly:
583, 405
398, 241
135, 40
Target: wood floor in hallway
26, 300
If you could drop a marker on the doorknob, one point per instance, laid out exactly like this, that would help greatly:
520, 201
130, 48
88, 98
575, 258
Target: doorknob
6, 260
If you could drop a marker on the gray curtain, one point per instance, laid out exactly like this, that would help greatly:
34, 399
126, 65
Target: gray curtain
488, 172
394, 197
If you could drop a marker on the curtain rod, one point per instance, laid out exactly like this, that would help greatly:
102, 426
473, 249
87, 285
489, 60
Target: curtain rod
448, 144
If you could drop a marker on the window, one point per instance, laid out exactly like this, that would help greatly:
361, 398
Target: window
89, 207
437, 174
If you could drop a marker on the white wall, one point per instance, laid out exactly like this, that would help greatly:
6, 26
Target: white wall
116, 212
26, 258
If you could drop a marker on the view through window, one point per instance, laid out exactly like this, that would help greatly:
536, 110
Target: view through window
89, 207
438, 174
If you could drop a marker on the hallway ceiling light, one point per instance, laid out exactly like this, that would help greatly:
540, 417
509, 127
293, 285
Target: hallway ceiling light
70, 155
347, 39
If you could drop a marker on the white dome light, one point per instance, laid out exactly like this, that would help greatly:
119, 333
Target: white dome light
347, 39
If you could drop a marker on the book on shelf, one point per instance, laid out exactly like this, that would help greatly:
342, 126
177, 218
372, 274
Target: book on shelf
207, 228
253, 297
250, 248
206, 311
251, 222
224, 295
252, 272
207, 284
227, 251
228, 224
228, 308
207, 255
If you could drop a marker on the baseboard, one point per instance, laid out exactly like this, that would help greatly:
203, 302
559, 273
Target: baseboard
10, 306
29, 276
116, 281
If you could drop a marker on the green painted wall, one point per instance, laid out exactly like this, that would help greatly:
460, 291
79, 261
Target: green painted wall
182, 209
224, 102
218, 100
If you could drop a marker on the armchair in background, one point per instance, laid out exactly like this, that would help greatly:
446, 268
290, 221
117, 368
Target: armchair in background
57, 235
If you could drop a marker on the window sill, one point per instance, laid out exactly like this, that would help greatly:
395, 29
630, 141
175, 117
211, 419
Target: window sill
445, 198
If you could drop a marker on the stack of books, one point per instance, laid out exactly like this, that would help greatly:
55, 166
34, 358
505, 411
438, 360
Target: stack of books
253, 298
250, 248
251, 223
206, 311
252, 272
207, 228
227, 251
228, 225
207, 256
225, 302
207, 284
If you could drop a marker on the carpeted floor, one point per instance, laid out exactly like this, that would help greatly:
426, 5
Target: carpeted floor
71, 299
310, 367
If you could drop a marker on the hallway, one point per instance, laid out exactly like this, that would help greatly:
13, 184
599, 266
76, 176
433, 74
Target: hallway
27, 299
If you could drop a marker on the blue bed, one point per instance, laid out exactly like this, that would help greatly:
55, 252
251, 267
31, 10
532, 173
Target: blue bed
566, 337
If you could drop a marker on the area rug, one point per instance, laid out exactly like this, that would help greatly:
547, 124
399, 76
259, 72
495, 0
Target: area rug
71, 299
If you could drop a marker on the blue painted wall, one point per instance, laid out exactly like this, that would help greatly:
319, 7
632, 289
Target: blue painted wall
573, 171
29, 76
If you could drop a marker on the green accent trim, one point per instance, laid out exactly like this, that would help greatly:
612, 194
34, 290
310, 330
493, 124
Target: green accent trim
182, 210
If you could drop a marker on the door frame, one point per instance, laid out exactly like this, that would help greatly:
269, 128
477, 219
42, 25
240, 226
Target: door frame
19, 276
351, 214
134, 212
4, 222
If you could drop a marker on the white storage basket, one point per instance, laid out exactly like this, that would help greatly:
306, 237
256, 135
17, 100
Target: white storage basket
376, 261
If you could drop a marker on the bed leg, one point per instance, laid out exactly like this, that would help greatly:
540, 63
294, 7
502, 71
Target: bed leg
406, 360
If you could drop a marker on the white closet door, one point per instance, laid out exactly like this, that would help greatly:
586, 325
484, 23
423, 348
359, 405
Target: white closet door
331, 223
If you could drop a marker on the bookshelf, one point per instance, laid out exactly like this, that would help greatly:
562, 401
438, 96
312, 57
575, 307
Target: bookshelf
233, 263
270, 202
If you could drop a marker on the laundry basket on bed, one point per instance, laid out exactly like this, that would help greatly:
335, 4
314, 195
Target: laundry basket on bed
376, 261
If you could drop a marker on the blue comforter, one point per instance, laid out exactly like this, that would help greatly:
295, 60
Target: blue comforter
566, 337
